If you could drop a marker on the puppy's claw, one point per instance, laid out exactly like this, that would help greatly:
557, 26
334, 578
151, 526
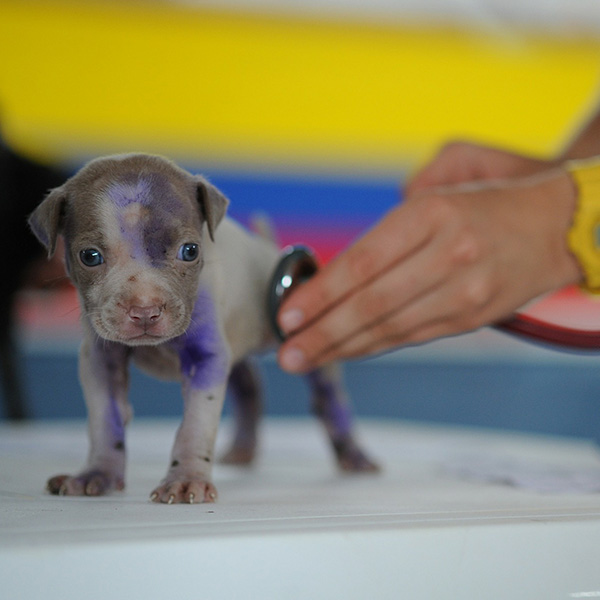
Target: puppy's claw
93, 482
185, 492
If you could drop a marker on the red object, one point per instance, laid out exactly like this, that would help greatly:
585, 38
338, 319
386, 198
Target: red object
541, 331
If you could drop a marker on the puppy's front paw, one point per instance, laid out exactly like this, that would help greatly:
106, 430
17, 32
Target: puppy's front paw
95, 482
186, 491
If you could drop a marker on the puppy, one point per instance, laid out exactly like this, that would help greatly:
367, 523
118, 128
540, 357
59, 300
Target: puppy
167, 281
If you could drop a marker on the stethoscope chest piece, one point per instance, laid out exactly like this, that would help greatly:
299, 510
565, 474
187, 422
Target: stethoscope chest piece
296, 265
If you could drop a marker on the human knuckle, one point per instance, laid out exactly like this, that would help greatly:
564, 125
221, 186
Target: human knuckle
467, 248
372, 302
323, 296
363, 265
453, 147
476, 294
439, 209
317, 294
381, 331
457, 149
320, 338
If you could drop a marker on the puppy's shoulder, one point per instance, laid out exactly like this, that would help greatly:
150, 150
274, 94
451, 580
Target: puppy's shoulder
238, 243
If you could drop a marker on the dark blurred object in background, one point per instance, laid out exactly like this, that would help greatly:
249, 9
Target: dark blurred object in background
23, 184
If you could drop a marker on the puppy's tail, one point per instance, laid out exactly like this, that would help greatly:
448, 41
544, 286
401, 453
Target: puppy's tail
263, 226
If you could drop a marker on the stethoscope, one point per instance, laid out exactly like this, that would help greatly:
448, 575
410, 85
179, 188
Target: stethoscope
298, 264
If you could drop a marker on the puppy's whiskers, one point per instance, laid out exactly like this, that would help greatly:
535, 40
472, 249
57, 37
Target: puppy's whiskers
74, 310
54, 282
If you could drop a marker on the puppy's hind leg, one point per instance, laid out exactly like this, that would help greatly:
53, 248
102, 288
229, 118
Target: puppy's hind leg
330, 404
244, 385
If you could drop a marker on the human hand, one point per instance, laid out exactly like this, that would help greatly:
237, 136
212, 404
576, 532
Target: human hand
462, 162
442, 263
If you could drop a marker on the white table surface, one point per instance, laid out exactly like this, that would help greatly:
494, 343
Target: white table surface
429, 526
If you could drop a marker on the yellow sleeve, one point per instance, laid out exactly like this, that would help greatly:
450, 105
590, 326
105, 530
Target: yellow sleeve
584, 235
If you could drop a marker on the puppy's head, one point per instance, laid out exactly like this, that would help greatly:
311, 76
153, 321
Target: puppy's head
133, 230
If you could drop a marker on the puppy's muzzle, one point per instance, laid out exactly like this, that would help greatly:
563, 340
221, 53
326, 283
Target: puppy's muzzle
142, 322
139, 320
145, 318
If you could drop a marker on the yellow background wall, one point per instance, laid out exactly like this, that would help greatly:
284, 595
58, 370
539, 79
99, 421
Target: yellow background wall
267, 92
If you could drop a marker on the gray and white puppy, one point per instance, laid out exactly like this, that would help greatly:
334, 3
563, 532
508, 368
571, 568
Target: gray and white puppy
155, 289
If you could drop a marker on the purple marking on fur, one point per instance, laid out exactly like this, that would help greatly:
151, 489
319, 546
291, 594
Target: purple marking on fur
115, 421
155, 232
330, 405
131, 189
111, 360
201, 350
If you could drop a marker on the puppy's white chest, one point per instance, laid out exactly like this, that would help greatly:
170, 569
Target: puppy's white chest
160, 361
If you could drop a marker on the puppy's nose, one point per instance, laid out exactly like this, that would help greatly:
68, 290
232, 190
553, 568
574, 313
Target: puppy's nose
145, 316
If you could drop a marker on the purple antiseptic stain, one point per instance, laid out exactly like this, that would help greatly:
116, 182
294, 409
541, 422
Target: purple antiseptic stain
150, 236
330, 405
132, 189
201, 349
111, 360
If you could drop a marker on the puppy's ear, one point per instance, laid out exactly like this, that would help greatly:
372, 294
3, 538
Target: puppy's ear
212, 203
46, 221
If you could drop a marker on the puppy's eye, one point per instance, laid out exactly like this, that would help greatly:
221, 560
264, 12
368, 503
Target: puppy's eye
188, 252
91, 257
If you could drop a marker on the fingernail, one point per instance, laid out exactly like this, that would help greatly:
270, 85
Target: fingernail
293, 359
291, 319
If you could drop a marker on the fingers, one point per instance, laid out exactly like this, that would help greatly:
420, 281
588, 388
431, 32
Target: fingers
437, 313
379, 312
398, 235
396, 309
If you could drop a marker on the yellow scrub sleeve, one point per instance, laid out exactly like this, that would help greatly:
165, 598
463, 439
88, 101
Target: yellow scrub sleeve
584, 235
